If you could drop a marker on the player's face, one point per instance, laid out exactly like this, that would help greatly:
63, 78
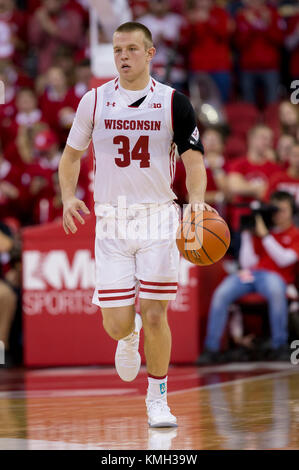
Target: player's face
131, 55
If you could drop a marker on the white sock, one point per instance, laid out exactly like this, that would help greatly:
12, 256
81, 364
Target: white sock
157, 389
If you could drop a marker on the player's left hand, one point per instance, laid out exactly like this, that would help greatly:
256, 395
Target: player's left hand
198, 207
202, 206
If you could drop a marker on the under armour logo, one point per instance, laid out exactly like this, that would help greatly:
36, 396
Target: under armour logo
110, 104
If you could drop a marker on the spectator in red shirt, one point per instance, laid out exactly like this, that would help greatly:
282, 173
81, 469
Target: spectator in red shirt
284, 146
287, 180
53, 103
292, 45
206, 37
288, 118
26, 116
52, 25
216, 168
268, 264
168, 65
8, 109
10, 189
82, 84
248, 176
12, 31
259, 38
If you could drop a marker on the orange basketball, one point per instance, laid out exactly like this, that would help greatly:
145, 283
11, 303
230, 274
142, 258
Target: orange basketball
203, 238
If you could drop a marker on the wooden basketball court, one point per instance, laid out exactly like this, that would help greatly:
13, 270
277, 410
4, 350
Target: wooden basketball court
234, 406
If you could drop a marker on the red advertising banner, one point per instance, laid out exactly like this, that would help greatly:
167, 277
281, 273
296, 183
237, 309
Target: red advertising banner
61, 325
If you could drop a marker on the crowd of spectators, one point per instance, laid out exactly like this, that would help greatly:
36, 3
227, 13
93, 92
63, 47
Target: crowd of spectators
247, 50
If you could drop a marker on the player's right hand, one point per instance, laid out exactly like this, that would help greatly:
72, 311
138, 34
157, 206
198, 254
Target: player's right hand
71, 208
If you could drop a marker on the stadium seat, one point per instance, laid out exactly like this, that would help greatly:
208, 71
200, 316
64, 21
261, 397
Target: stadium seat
241, 117
235, 147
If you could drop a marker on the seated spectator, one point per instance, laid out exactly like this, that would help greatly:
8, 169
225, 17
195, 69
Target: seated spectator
53, 104
65, 60
10, 189
206, 37
9, 291
259, 38
268, 264
52, 25
283, 148
292, 45
48, 207
12, 31
8, 109
216, 168
287, 180
289, 118
168, 65
248, 177
27, 114
82, 84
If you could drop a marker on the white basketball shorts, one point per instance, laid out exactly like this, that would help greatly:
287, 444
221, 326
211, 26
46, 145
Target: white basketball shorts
137, 254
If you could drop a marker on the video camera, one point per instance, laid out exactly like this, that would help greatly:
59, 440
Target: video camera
266, 211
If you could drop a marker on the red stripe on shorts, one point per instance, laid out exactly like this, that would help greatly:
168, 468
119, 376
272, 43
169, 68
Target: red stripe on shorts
156, 291
112, 291
159, 283
122, 297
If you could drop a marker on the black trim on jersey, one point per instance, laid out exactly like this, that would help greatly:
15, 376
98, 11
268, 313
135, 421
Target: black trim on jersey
185, 132
137, 103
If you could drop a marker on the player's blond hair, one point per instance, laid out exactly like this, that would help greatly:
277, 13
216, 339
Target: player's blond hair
132, 26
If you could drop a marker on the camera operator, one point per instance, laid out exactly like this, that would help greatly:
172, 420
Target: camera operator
268, 260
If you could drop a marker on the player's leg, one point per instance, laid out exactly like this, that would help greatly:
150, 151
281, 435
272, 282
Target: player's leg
115, 295
123, 325
157, 348
157, 269
157, 336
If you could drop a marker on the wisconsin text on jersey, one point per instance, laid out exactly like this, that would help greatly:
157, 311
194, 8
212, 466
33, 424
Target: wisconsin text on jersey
132, 125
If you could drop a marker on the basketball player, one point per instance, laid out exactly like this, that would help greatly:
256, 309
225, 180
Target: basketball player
135, 123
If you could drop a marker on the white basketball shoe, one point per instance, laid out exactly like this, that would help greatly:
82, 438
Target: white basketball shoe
127, 357
159, 415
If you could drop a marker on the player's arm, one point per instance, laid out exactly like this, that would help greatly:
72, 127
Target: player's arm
69, 169
69, 166
196, 176
187, 138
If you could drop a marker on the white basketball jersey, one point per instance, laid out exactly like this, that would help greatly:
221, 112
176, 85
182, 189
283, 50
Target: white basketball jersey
134, 151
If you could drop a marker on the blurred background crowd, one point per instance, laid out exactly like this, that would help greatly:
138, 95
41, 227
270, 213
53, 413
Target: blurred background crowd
238, 61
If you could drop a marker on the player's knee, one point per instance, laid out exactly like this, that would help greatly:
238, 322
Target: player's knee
154, 318
116, 330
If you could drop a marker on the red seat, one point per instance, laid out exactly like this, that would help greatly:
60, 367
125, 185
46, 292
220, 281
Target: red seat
241, 117
235, 147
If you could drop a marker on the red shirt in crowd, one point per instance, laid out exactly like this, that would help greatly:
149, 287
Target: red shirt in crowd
250, 171
284, 182
13, 29
293, 27
259, 40
69, 32
208, 42
288, 239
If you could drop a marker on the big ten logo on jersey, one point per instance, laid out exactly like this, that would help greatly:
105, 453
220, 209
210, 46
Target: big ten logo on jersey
56, 285
295, 95
155, 105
